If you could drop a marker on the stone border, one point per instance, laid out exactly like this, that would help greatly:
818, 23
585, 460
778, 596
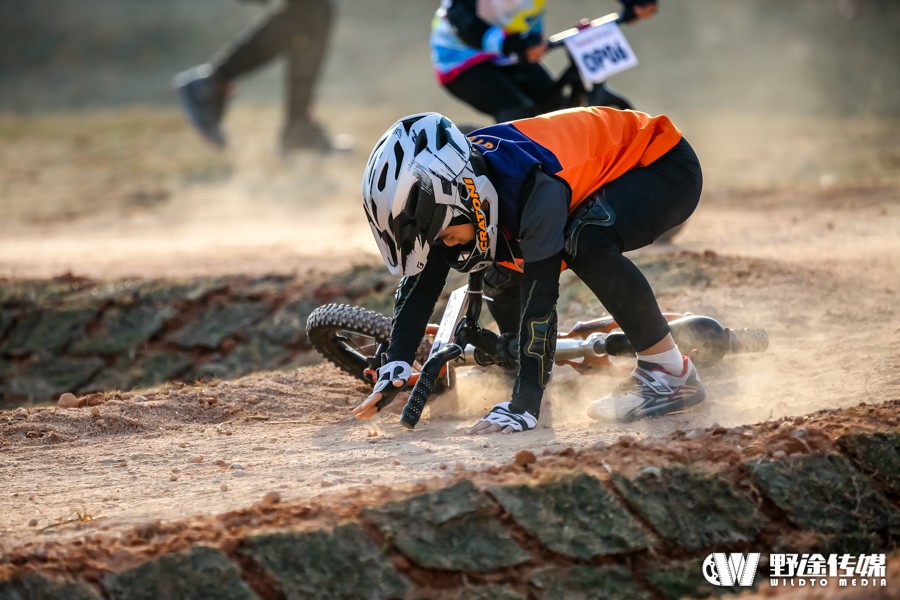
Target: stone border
83, 336
571, 533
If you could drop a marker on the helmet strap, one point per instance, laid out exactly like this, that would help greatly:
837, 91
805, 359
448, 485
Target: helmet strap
479, 165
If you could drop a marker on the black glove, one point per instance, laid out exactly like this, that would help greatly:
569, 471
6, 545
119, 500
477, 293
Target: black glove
517, 43
628, 14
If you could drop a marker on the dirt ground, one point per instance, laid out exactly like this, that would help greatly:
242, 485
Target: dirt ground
798, 226
185, 450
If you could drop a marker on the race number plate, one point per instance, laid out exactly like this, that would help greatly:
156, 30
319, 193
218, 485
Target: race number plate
456, 308
600, 52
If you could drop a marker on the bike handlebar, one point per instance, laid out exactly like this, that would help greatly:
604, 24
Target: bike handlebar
412, 412
431, 370
558, 39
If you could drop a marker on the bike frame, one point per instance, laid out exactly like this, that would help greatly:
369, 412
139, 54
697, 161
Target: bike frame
587, 347
458, 337
586, 341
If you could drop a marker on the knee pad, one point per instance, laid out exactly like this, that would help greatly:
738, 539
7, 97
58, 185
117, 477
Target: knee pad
594, 212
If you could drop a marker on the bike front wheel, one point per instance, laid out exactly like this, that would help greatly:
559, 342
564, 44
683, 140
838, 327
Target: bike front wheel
348, 336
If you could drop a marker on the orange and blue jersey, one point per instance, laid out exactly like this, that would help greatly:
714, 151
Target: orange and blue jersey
584, 147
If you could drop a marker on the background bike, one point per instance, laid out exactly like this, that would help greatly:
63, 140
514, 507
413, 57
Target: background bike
612, 49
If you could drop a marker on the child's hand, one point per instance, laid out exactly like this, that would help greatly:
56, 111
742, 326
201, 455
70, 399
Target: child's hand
392, 377
505, 417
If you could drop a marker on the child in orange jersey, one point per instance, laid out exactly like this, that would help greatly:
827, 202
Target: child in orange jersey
522, 199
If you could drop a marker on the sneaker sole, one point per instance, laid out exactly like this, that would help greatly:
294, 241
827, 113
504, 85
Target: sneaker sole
659, 410
216, 138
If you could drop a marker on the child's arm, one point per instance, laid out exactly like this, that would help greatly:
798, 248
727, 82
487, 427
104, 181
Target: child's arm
415, 300
541, 238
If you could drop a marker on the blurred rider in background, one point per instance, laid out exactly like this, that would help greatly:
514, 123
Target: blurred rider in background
488, 54
296, 29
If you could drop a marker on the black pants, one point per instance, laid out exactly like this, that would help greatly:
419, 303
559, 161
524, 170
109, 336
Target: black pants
625, 214
510, 92
298, 30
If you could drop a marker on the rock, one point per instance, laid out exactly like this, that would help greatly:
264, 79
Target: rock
271, 498
525, 458
695, 434
69, 400
95, 399
338, 563
573, 515
452, 529
201, 572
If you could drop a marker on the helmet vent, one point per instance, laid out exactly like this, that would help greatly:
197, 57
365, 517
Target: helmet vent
398, 156
421, 142
382, 179
412, 200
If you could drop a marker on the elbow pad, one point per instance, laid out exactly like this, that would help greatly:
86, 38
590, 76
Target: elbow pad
537, 332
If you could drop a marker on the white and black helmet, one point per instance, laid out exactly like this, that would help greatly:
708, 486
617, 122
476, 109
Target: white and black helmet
418, 179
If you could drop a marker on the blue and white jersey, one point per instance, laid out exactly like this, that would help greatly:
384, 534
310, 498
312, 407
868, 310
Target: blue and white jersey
450, 55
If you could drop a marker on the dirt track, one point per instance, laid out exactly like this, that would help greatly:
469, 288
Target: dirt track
797, 233
186, 450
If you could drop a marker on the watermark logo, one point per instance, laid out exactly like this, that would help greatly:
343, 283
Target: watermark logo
819, 570
797, 570
728, 570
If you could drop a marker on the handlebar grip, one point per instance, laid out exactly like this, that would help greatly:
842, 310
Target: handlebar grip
412, 412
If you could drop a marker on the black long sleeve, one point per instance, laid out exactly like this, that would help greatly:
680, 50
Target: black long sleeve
541, 238
414, 304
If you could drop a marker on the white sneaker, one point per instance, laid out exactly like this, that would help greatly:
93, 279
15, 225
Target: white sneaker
651, 391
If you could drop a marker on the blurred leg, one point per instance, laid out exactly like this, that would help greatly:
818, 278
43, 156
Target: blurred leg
306, 53
491, 90
538, 84
266, 39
